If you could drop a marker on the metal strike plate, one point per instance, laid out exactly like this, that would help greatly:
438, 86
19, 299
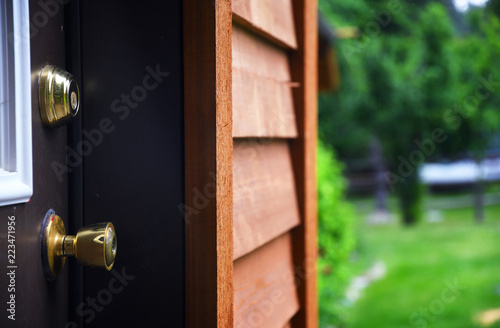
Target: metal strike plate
93, 245
58, 96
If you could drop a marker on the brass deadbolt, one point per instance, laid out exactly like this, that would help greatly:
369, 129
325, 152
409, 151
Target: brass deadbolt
58, 96
93, 245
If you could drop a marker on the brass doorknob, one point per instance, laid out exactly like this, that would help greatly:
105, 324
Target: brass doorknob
58, 96
93, 245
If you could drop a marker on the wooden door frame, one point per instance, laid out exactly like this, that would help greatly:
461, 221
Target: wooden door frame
208, 208
208, 163
304, 66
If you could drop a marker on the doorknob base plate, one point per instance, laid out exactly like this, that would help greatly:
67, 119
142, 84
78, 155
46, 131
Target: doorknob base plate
52, 237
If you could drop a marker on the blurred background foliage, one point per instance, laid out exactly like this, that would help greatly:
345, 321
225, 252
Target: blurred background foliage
417, 67
336, 238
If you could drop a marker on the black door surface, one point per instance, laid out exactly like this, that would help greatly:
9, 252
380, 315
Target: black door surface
125, 164
131, 80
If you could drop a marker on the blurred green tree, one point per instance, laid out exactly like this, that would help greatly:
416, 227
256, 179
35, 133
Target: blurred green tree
473, 121
494, 6
410, 81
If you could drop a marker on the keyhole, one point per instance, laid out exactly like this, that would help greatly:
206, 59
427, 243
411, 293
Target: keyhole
74, 100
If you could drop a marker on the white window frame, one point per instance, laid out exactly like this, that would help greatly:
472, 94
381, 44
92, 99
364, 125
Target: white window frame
16, 159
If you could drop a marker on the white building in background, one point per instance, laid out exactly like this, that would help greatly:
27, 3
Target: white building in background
461, 172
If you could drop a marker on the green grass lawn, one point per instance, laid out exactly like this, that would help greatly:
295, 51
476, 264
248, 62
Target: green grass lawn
422, 263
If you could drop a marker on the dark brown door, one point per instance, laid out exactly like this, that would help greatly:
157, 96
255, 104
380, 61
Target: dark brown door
124, 155
38, 303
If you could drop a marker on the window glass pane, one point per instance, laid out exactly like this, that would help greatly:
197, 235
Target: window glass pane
16, 160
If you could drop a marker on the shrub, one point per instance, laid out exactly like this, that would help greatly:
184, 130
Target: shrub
336, 237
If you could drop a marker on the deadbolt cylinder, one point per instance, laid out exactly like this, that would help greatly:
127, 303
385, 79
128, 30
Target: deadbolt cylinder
58, 96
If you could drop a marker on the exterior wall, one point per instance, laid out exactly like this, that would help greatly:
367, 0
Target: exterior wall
250, 122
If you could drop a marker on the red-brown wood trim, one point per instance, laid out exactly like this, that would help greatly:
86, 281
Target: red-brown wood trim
208, 167
246, 24
262, 88
265, 294
304, 70
271, 19
264, 198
